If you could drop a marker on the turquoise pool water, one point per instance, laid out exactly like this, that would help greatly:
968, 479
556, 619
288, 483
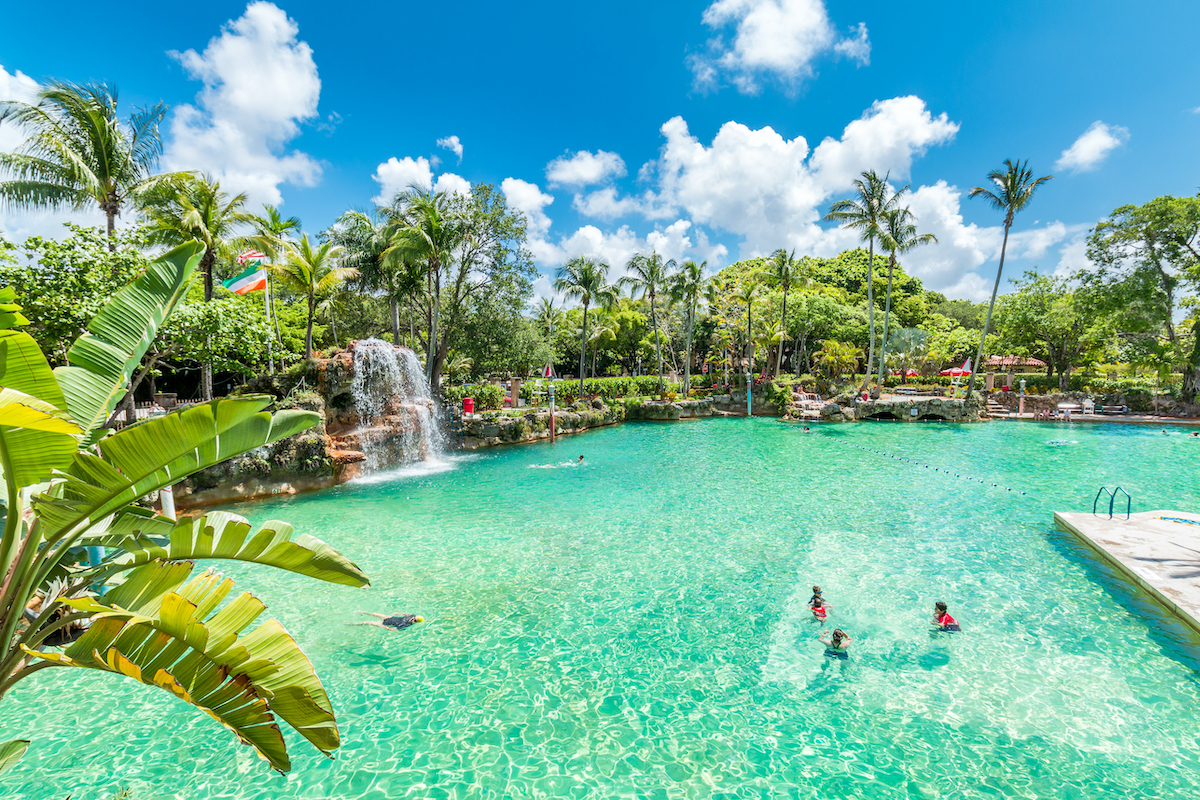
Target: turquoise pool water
637, 627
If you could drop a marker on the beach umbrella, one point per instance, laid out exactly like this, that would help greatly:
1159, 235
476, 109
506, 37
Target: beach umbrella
960, 371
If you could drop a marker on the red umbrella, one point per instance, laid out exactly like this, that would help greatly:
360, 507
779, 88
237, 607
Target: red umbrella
958, 372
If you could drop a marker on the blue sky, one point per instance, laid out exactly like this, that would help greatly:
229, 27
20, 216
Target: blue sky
709, 130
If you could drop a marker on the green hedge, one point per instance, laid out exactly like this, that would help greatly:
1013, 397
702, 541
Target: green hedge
488, 396
567, 391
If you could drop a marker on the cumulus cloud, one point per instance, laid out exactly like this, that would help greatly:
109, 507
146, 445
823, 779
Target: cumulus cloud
1090, 149
781, 38
584, 168
398, 175
453, 144
260, 83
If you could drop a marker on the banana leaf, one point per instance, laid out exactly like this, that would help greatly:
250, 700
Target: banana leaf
36, 436
220, 534
102, 360
11, 752
10, 315
162, 631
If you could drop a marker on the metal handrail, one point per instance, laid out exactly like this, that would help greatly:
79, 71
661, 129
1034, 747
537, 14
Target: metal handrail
1112, 499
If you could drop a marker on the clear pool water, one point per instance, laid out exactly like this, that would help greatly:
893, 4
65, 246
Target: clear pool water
637, 627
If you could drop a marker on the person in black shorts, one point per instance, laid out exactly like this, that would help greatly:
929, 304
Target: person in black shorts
396, 622
942, 618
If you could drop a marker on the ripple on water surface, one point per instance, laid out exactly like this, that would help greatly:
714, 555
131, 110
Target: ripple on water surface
637, 626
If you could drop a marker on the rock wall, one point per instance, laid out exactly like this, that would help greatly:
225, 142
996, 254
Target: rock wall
489, 429
657, 410
906, 409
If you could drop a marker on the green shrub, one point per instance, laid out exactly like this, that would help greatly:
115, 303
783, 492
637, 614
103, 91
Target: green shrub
488, 396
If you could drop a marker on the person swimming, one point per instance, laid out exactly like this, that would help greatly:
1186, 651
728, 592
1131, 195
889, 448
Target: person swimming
581, 459
819, 609
837, 646
942, 618
396, 622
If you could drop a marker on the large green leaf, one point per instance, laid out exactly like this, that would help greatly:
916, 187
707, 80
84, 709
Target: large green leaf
36, 436
161, 631
102, 360
10, 312
147, 457
11, 752
220, 534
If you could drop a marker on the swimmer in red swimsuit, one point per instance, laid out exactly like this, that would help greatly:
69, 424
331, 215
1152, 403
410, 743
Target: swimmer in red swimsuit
942, 618
819, 609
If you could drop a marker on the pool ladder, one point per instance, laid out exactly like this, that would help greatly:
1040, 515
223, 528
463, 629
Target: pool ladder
1112, 499
454, 426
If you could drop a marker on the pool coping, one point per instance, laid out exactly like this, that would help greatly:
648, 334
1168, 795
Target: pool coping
1143, 549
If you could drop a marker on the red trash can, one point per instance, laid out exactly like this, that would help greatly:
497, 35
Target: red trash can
468, 405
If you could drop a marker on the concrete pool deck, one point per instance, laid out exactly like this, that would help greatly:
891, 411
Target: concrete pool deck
1161, 556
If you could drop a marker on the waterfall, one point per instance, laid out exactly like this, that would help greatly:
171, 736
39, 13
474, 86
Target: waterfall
397, 415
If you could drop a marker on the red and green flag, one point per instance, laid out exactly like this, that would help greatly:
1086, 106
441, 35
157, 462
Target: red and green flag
251, 280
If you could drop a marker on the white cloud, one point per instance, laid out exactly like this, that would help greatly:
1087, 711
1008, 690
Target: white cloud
1090, 149
260, 83
398, 175
1072, 256
584, 168
776, 37
22, 88
531, 201
453, 144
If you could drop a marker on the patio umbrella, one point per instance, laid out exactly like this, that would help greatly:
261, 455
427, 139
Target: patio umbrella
958, 372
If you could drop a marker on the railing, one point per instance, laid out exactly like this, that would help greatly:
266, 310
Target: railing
454, 424
1112, 499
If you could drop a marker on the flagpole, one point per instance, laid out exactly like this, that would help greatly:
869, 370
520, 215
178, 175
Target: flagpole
270, 330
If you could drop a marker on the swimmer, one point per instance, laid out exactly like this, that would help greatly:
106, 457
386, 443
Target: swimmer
1194, 435
396, 622
807, 429
816, 595
942, 618
838, 646
581, 459
819, 609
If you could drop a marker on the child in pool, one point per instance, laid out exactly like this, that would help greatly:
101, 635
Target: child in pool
942, 618
816, 595
838, 646
819, 609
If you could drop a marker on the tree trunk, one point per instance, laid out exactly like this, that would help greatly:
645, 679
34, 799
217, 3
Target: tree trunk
583, 349
687, 365
308, 333
749, 338
111, 213
783, 324
887, 313
988, 322
395, 320
657, 348
870, 311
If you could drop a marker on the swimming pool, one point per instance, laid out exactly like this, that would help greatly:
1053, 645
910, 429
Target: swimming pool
636, 626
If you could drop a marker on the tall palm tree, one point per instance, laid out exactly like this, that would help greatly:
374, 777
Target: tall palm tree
585, 278
866, 216
272, 233
747, 293
78, 152
606, 327
548, 315
422, 230
1013, 188
899, 235
688, 287
311, 272
196, 208
649, 275
782, 269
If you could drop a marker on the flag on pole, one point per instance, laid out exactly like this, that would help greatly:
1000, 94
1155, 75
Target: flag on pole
548, 370
251, 258
251, 280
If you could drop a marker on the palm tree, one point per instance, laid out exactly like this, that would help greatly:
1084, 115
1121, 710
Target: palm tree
649, 276
899, 235
309, 273
271, 236
801, 279
783, 268
606, 327
422, 230
747, 293
866, 216
548, 316
458, 364
586, 278
79, 153
196, 208
1014, 187
689, 287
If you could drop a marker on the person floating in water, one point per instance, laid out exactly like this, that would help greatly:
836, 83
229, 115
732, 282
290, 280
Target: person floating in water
838, 646
819, 609
581, 459
816, 595
942, 618
396, 622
